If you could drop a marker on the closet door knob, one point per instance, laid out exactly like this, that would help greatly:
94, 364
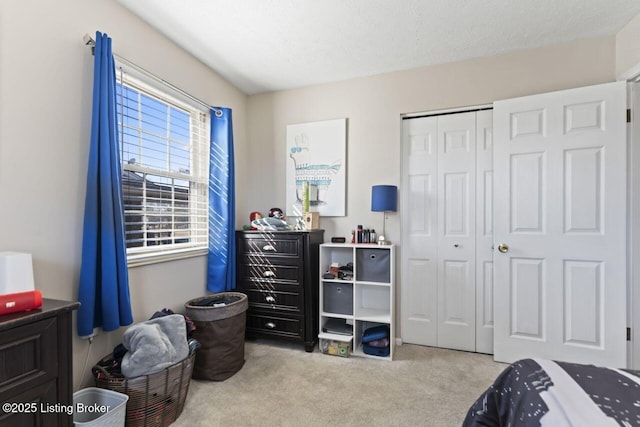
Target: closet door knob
270, 325
503, 247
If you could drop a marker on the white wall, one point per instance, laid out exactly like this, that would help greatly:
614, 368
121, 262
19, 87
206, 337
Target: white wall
374, 105
628, 47
45, 114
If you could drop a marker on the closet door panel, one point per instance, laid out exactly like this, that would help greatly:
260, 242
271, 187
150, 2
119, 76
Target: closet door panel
484, 231
455, 277
456, 204
456, 175
419, 291
421, 218
420, 308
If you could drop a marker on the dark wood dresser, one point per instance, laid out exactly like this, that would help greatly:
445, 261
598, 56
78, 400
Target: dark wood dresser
36, 365
278, 271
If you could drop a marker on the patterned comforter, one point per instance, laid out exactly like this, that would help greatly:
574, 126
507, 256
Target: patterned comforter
539, 392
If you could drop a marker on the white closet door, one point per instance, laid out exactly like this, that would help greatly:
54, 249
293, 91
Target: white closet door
419, 243
456, 231
560, 206
447, 294
484, 231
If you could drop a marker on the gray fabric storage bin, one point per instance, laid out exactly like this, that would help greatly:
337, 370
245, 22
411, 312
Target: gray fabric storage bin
372, 265
337, 298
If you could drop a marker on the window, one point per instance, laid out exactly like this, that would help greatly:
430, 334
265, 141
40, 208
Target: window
164, 154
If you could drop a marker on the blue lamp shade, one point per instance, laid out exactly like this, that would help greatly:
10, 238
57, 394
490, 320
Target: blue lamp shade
384, 198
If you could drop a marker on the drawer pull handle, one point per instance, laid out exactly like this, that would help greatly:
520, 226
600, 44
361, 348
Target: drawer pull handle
268, 248
270, 299
270, 325
268, 273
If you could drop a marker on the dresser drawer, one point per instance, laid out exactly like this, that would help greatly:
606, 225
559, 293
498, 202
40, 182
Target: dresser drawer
271, 246
268, 299
37, 401
276, 325
269, 272
28, 356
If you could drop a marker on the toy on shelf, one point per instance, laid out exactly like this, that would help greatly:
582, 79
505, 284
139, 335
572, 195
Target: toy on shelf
254, 216
277, 213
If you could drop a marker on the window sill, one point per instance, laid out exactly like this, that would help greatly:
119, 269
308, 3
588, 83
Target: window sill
137, 260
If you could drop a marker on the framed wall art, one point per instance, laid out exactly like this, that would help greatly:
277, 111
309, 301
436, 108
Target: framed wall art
316, 159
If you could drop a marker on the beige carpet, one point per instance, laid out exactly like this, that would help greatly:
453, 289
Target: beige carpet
282, 385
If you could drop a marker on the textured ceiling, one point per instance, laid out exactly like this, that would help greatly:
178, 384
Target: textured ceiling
266, 45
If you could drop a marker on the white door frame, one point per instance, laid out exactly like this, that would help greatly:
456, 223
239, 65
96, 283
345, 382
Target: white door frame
633, 245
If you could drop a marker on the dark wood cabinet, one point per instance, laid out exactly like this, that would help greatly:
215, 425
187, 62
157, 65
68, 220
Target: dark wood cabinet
278, 271
36, 361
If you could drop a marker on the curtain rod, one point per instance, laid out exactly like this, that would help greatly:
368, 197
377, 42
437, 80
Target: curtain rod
89, 41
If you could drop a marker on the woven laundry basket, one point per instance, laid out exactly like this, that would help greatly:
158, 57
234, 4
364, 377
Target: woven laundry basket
156, 399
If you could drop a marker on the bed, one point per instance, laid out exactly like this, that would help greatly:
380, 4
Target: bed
540, 392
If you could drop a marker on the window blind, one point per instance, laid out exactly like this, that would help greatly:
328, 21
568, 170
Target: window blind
164, 152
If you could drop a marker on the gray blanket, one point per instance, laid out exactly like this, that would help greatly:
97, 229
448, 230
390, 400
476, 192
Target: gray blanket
154, 345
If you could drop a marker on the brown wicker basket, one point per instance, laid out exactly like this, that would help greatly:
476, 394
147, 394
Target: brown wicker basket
155, 400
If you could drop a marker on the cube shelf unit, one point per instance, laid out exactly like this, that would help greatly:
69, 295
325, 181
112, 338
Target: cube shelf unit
364, 301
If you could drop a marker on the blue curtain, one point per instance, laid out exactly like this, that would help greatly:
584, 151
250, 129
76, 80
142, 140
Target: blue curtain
221, 268
104, 283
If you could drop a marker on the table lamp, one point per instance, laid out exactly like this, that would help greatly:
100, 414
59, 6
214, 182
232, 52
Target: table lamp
384, 198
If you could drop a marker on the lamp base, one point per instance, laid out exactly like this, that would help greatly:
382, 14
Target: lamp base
383, 241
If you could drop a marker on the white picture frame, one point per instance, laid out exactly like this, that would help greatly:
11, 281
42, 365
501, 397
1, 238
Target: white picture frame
316, 153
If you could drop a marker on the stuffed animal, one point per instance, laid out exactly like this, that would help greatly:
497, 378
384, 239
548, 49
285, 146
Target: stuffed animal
277, 213
254, 216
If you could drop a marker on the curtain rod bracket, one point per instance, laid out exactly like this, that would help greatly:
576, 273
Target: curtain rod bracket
88, 40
